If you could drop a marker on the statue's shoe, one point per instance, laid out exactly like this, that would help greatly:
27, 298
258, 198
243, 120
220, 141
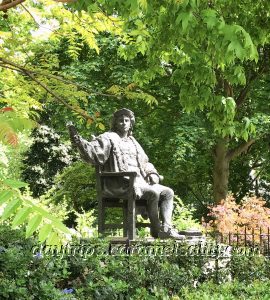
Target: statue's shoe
171, 233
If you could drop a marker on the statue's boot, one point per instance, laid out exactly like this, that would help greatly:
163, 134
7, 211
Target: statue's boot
166, 209
168, 232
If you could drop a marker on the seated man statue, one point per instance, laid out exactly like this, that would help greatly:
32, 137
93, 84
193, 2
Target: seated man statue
116, 151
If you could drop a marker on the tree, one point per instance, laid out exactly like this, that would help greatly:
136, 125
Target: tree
217, 53
45, 158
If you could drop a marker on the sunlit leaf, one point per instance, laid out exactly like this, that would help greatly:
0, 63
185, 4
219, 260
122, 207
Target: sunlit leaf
44, 232
21, 216
5, 196
14, 183
11, 208
33, 225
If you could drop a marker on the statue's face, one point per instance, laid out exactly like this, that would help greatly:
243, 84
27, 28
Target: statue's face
123, 124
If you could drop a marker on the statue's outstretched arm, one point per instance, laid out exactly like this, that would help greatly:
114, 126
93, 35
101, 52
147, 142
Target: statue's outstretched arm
96, 151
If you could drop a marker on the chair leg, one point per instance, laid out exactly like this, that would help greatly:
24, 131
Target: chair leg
125, 221
101, 216
131, 219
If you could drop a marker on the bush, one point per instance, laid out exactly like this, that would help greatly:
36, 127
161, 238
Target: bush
183, 216
45, 158
76, 185
250, 216
24, 275
228, 291
247, 268
69, 275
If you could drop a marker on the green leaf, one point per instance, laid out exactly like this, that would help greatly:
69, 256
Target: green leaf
210, 17
5, 196
11, 208
185, 18
236, 46
53, 239
56, 222
33, 225
15, 183
231, 131
101, 126
44, 232
143, 4
240, 73
21, 215
245, 135
252, 128
247, 122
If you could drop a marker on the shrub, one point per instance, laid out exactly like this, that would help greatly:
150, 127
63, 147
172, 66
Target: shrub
44, 159
249, 216
231, 290
27, 276
76, 185
75, 276
247, 268
183, 216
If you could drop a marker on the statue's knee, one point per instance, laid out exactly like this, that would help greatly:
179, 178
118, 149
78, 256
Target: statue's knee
153, 196
168, 193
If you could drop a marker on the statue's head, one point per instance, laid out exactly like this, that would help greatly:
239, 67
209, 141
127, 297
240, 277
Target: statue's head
119, 114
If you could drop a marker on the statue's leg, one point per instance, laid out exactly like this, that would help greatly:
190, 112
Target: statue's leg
166, 207
152, 197
165, 196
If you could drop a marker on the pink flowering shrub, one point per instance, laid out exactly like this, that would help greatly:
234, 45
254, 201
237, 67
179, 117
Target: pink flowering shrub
250, 216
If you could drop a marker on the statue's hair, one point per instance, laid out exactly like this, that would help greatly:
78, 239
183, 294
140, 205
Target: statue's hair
119, 113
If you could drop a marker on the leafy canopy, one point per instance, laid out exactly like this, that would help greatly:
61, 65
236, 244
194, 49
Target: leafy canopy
213, 50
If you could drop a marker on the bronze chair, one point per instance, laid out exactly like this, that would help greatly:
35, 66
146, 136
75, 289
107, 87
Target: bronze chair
127, 203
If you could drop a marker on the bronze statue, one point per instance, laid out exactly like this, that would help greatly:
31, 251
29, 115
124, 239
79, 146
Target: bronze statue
117, 150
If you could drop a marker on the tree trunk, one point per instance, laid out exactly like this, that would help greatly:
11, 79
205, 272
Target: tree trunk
221, 171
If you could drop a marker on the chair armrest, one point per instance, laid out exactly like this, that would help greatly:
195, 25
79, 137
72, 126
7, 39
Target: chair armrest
118, 174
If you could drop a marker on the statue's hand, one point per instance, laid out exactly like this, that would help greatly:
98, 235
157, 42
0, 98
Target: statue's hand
154, 179
73, 134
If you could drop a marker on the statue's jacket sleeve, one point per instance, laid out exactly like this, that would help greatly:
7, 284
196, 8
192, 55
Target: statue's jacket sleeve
97, 151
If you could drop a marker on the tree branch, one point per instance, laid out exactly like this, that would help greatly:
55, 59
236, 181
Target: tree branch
27, 10
59, 99
243, 94
6, 6
240, 149
9, 4
23, 70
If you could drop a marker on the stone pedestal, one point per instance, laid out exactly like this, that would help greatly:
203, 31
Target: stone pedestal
193, 235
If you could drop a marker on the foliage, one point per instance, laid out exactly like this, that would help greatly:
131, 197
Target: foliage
250, 268
27, 272
24, 275
221, 46
44, 159
22, 208
76, 186
85, 224
234, 290
208, 53
11, 124
180, 148
212, 53
25, 210
250, 215
33, 34
183, 216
